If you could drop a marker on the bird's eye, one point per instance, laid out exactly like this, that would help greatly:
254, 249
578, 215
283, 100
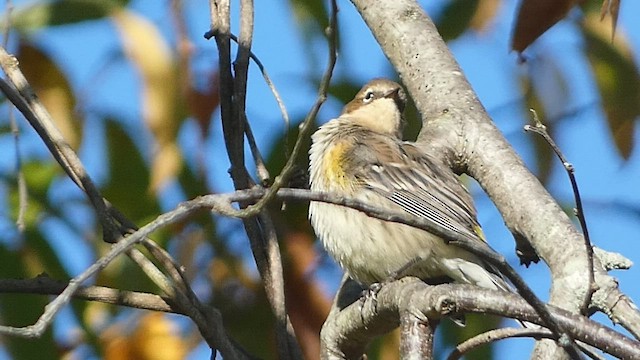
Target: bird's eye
368, 96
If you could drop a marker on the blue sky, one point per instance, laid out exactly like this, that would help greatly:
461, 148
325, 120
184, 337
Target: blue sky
605, 179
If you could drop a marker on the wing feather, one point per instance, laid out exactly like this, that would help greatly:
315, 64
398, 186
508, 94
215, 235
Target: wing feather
416, 183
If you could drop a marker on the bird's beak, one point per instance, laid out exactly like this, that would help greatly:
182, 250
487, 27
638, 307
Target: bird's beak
397, 95
392, 93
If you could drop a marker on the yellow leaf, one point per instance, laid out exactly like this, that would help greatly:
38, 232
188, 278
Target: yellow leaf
485, 12
166, 163
150, 54
53, 89
155, 338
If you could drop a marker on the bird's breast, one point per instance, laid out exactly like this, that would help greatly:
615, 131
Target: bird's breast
328, 165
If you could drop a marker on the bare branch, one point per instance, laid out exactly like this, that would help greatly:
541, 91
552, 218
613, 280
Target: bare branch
370, 316
47, 286
541, 130
22, 96
506, 333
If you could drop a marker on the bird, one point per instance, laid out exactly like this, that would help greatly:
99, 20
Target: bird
361, 155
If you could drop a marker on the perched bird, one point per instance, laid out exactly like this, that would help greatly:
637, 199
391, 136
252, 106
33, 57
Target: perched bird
361, 155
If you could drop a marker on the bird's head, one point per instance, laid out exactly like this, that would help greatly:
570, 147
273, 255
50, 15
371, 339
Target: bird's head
378, 106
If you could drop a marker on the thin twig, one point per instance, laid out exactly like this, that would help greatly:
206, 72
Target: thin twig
261, 168
494, 335
220, 204
207, 320
267, 79
23, 192
541, 130
260, 230
305, 128
22, 96
109, 216
47, 286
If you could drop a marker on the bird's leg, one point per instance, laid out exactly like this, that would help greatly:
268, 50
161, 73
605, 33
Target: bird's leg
404, 270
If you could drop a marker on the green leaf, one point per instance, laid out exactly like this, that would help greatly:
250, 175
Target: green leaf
53, 13
23, 310
129, 177
619, 83
455, 18
311, 15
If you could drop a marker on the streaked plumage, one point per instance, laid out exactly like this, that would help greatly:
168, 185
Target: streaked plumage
361, 155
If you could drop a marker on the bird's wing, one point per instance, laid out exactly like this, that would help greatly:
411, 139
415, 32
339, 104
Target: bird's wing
417, 183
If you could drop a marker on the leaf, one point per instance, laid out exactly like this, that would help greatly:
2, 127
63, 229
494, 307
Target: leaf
129, 176
485, 12
202, 103
23, 310
535, 17
53, 13
455, 18
150, 54
618, 80
53, 89
155, 337
310, 15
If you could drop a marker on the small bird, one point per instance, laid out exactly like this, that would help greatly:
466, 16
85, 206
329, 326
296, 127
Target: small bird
361, 155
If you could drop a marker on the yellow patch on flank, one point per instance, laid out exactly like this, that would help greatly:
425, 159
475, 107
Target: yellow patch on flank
333, 165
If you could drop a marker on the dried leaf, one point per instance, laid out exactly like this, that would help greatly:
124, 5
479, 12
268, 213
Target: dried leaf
202, 103
535, 17
150, 54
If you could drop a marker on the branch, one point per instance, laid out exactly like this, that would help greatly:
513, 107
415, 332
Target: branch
350, 329
416, 336
45, 285
260, 230
457, 129
208, 320
541, 130
18, 91
506, 333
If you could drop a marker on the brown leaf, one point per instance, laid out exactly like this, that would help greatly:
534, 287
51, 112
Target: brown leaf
535, 17
202, 103
485, 12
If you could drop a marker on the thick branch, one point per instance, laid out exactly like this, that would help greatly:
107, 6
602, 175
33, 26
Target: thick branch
343, 337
